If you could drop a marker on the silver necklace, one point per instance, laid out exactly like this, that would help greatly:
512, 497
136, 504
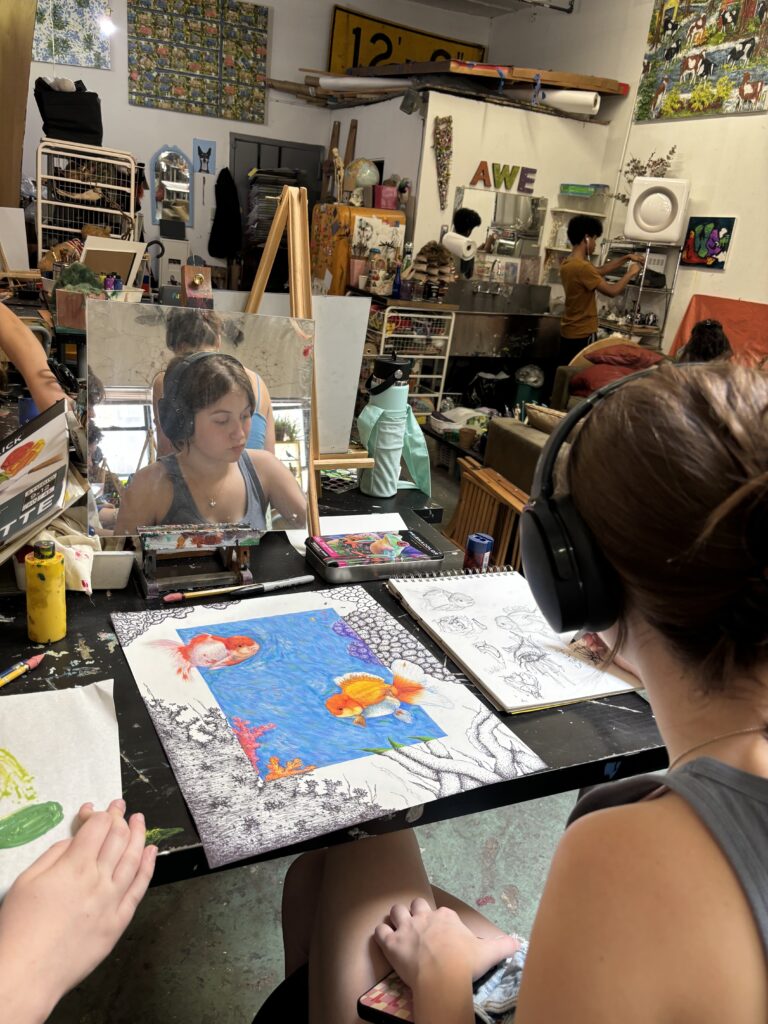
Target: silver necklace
714, 739
211, 503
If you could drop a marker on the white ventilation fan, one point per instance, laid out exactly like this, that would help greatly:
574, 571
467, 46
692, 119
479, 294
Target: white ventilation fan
657, 210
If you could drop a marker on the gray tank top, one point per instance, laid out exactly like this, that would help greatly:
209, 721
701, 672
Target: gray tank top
734, 806
731, 803
184, 510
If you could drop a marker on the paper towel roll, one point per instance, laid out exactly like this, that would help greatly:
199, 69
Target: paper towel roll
458, 245
570, 101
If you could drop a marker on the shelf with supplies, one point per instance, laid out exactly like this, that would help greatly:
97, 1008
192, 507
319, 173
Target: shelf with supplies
640, 301
578, 213
422, 335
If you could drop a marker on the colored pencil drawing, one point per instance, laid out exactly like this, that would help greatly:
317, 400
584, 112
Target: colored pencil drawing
299, 695
341, 718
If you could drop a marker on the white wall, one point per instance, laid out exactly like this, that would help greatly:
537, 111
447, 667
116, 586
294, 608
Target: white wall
724, 158
299, 38
385, 133
560, 149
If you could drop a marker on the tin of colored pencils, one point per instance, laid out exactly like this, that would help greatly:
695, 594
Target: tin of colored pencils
46, 597
477, 554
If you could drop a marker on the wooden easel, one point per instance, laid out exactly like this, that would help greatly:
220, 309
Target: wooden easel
292, 215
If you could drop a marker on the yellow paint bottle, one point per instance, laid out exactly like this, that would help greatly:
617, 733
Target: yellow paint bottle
46, 598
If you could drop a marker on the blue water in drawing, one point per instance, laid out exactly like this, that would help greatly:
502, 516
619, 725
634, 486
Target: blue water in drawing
290, 679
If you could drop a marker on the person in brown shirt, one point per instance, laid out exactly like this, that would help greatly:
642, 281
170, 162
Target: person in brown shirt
581, 279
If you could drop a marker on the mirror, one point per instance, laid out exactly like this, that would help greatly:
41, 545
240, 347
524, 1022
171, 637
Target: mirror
171, 172
510, 223
197, 417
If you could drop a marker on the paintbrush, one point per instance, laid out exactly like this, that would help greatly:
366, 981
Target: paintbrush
241, 590
20, 668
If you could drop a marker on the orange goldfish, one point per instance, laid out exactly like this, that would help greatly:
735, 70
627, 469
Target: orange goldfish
364, 695
208, 651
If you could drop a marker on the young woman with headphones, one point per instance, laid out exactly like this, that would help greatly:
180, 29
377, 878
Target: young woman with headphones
212, 476
653, 530
199, 330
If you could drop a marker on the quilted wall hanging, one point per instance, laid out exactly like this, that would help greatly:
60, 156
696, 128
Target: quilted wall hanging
205, 57
68, 32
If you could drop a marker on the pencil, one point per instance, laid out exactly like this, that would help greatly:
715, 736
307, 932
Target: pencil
241, 589
20, 668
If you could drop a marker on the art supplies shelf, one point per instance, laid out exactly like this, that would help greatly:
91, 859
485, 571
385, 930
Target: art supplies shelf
641, 310
413, 331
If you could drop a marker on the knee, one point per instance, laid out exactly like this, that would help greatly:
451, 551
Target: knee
306, 871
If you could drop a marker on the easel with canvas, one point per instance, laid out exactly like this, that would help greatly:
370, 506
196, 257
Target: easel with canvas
292, 215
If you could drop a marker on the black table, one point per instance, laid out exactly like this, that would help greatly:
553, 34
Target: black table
354, 502
582, 743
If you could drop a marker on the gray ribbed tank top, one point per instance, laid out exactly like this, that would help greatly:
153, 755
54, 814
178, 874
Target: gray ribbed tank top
184, 510
734, 806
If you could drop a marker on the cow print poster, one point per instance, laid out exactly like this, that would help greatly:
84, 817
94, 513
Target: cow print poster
704, 59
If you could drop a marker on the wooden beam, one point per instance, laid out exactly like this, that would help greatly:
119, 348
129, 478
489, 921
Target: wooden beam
17, 29
498, 72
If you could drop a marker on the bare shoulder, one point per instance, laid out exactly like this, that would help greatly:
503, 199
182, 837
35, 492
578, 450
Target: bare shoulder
637, 892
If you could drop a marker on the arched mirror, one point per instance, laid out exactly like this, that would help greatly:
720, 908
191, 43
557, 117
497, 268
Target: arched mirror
172, 186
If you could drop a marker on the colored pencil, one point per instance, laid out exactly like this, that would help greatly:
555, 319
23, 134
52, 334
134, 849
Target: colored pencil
241, 590
20, 668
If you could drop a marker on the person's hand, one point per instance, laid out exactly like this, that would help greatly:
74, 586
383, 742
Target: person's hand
65, 913
634, 270
637, 257
418, 940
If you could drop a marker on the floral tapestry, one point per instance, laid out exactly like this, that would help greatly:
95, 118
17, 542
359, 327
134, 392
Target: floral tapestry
204, 57
67, 32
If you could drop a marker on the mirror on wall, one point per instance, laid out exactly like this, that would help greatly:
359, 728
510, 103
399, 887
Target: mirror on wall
172, 180
197, 418
510, 223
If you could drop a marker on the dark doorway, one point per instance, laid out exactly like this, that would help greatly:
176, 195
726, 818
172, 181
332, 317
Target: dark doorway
249, 151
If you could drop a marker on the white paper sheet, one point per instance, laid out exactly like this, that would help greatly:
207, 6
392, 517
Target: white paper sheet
66, 744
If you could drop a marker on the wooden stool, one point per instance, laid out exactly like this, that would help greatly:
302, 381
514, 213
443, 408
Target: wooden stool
488, 503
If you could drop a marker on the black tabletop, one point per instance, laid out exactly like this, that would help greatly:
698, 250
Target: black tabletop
582, 744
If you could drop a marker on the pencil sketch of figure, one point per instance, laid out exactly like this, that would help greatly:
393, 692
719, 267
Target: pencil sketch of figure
437, 599
491, 652
533, 662
455, 624
479, 624
525, 685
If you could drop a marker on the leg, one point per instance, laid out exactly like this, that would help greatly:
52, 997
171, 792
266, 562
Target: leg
301, 892
360, 882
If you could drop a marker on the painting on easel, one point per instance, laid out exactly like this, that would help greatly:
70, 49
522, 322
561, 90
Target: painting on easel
289, 717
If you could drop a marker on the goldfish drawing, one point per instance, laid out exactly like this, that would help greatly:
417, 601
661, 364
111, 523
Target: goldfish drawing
364, 695
209, 651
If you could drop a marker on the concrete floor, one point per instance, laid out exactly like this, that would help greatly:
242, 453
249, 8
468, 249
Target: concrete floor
209, 951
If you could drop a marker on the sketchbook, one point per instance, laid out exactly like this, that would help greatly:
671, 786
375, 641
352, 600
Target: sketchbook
289, 716
489, 624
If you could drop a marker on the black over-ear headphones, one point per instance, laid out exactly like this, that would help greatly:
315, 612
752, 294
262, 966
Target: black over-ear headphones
176, 418
570, 578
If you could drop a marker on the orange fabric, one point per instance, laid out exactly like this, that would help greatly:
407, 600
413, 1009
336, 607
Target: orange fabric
745, 324
579, 279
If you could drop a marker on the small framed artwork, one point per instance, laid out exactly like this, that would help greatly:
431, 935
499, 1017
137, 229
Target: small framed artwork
707, 242
204, 156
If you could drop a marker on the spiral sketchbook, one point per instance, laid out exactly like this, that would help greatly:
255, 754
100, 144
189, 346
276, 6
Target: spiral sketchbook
489, 625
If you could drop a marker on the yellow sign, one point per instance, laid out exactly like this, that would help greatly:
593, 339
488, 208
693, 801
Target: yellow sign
358, 41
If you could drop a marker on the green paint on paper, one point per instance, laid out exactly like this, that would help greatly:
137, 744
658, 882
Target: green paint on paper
16, 784
29, 823
157, 835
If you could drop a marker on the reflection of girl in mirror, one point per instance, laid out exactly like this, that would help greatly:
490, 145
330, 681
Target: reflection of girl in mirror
211, 477
199, 330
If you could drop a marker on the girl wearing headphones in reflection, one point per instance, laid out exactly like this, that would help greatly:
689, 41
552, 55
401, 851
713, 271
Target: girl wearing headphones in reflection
656, 904
211, 477
199, 330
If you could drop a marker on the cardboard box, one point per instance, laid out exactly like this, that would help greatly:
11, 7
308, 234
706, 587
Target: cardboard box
70, 308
